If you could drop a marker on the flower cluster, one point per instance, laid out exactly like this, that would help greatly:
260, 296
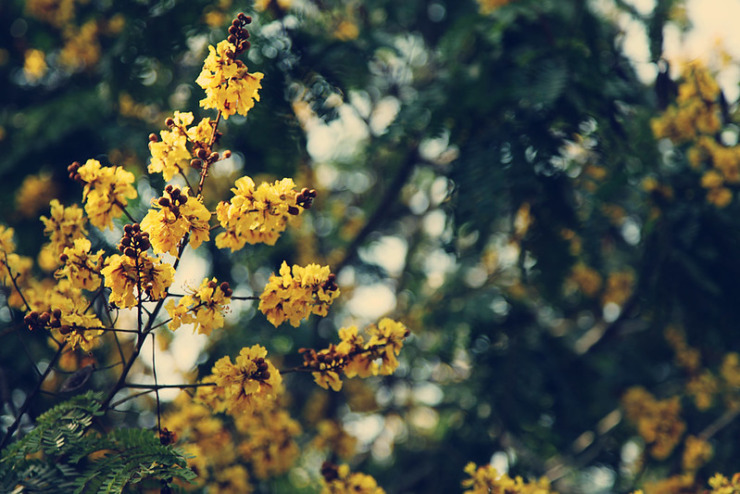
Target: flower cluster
696, 453
261, 214
332, 436
722, 485
240, 387
63, 226
174, 215
295, 295
80, 266
486, 479
11, 264
64, 311
268, 440
170, 155
107, 190
658, 421
339, 480
136, 271
355, 357
488, 6
205, 307
695, 119
229, 87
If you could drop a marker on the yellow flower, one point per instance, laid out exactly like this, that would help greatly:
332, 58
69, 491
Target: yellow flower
34, 66
331, 435
294, 296
81, 47
205, 307
35, 193
488, 6
486, 479
658, 421
174, 215
231, 480
354, 357
696, 453
587, 279
339, 480
259, 215
81, 268
170, 156
243, 386
386, 341
107, 191
229, 87
269, 440
135, 273
63, 226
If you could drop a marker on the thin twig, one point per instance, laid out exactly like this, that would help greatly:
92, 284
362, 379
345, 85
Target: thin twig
12, 428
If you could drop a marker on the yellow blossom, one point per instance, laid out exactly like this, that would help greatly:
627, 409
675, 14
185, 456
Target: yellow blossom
81, 267
135, 276
258, 215
587, 279
486, 479
55, 12
618, 287
330, 434
339, 480
658, 421
696, 453
244, 385
81, 46
488, 6
63, 226
35, 193
355, 357
229, 87
268, 440
172, 217
295, 295
205, 307
106, 192
231, 480
34, 66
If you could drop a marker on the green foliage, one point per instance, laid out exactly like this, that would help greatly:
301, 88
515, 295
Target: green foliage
63, 453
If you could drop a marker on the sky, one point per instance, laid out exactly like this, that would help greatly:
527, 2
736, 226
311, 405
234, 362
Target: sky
713, 21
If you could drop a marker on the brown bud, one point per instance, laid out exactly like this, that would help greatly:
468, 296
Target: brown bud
293, 210
214, 156
164, 202
65, 329
212, 284
196, 163
233, 29
129, 252
55, 323
224, 286
170, 122
57, 313
153, 138
201, 153
231, 39
63, 257
227, 154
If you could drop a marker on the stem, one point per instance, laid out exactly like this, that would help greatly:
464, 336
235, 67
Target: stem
26, 404
156, 390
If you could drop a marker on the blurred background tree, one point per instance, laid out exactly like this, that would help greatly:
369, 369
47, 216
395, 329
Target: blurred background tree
553, 229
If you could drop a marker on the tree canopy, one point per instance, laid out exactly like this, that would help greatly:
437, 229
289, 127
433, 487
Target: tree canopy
538, 243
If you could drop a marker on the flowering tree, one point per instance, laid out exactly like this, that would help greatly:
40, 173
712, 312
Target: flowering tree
491, 177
